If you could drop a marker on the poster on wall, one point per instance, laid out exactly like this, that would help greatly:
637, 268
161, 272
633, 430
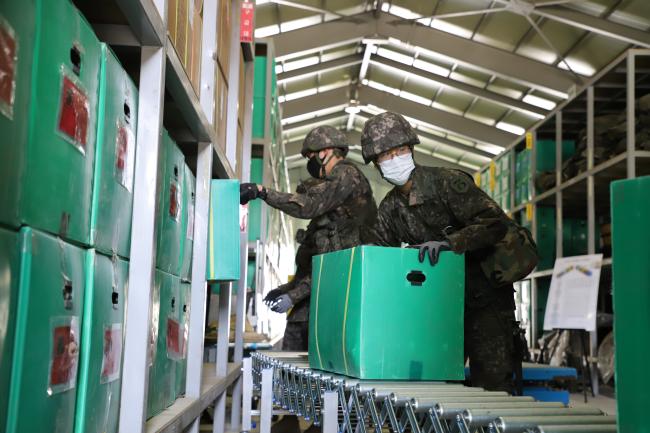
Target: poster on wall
573, 296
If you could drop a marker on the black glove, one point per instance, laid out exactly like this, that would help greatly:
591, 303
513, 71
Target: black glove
434, 248
272, 296
282, 304
248, 192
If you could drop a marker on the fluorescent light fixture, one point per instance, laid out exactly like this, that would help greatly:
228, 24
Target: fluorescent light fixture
353, 109
332, 86
278, 69
403, 12
302, 63
508, 127
516, 94
415, 98
451, 28
262, 2
264, 32
298, 95
312, 115
383, 87
375, 41
491, 148
430, 67
579, 67
467, 80
385, 7
481, 119
394, 55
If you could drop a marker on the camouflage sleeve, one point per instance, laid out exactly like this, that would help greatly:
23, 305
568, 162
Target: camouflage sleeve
334, 191
381, 233
301, 289
482, 220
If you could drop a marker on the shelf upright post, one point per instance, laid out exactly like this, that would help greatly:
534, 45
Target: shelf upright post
236, 405
135, 375
559, 250
223, 339
591, 223
631, 129
233, 86
533, 205
201, 214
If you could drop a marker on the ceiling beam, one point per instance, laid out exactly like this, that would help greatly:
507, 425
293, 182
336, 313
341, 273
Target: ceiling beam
314, 121
452, 123
320, 68
468, 89
325, 35
597, 25
473, 54
317, 102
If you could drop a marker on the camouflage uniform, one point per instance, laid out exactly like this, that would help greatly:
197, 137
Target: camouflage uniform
446, 205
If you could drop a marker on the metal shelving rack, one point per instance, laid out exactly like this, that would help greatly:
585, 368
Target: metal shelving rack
590, 186
161, 73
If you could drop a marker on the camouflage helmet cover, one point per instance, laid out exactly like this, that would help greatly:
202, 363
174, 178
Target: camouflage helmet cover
384, 132
324, 137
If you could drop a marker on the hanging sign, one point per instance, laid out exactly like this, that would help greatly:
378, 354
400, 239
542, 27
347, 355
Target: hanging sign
246, 26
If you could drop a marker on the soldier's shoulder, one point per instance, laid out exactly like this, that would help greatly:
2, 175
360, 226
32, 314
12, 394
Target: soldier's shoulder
390, 201
455, 180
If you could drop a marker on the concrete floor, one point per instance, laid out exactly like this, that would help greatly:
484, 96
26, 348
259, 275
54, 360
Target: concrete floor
602, 402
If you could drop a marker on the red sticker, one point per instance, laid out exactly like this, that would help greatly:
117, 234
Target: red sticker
73, 113
112, 353
8, 60
174, 200
122, 148
173, 339
64, 356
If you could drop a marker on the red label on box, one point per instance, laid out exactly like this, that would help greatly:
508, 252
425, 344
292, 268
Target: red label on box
246, 25
64, 356
174, 200
7, 68
173, 339
112, 353
122, 148
73, 113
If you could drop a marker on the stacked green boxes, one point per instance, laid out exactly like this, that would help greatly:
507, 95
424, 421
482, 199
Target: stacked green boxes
259, 97
165, 342
523, 191
223, 231
189, 197
115, 159
46, 174
356, 330
100, 371
169, 212
630, 240
502, 176
255, 206
48, 324
10, 270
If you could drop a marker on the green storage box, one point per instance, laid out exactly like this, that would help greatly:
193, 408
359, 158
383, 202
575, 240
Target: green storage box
115, 158
165, 320
47, 157
378, 313
46, 352
102, 335
189, 199
630, 240
255, 206
184, 321
169, 208
10, 271
223, 231
545, 238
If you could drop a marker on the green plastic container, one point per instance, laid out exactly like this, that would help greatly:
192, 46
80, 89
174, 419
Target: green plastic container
169, 208
545, 238
100, 372
255, 206
378, 313
165, 328
187, 229
630, 240
10, 271
47, 156
46, 354
223, 232
184, 320
115, 158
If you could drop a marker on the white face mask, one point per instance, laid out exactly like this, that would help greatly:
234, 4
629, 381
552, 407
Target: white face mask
398, 170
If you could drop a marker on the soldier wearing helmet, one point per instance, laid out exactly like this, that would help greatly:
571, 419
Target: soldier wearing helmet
341, 206
437, 209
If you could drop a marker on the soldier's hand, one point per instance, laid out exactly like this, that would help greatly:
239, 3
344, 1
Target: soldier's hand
282, 304
272, 296
248, 192
434, 248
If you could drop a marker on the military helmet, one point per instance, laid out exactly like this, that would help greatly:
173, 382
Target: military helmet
383, 132
324, 137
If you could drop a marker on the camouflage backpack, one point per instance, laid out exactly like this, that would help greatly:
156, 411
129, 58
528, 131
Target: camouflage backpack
512, 258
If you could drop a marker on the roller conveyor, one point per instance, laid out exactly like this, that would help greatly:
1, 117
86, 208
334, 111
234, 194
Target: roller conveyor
342, 404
